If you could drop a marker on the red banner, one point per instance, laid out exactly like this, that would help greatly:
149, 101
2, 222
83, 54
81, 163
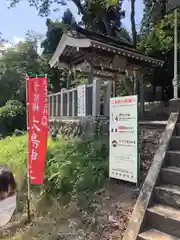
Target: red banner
37, 128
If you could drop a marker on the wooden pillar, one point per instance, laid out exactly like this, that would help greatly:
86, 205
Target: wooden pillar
90, 90
91, 73
154, 92
135, 82
68, 83
141, 83
96, 97
107, 96
127, 82
114, 87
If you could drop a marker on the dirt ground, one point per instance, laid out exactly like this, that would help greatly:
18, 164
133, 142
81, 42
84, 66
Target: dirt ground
104, 216
114, 207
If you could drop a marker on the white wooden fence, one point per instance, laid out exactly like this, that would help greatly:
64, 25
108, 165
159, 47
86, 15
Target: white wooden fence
64, 103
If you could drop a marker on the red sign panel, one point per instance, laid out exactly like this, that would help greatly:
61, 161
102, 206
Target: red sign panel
37, 128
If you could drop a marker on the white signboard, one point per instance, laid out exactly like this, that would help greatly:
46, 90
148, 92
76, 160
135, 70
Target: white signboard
81, 97
124, 155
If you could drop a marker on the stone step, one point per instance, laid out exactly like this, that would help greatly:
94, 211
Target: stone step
170, 175
154, 234
164, 218
173, 158
177, 129
174, 143
168, 195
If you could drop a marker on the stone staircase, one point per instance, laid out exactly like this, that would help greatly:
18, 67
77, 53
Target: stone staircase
162, 217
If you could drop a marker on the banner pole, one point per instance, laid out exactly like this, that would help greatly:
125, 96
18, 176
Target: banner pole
28, 179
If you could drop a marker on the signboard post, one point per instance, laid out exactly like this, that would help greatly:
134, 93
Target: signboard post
81, 96
124, 144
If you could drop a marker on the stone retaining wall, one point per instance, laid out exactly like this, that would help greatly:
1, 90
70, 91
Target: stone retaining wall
78, 128
149, 143
156, 110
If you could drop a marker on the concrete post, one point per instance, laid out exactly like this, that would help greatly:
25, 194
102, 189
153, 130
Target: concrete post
96, 97
68, 104
73, 103
62, 103
49, 106
174, 105
53, 103
175, 80
57, 105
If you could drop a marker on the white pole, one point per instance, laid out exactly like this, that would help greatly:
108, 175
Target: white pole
175, 80
28, 178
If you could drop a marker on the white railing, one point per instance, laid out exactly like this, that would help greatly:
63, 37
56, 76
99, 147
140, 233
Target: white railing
64, 103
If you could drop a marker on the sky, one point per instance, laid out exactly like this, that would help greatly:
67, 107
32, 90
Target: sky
15, 22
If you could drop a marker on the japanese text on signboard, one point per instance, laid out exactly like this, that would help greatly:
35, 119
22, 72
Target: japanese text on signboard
37, 127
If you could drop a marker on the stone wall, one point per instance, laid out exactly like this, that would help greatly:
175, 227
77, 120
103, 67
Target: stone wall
149, 143
90, 126
84, 127
156, 110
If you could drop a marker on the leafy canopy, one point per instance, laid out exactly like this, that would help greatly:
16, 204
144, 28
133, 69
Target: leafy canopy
14, 63
44, 6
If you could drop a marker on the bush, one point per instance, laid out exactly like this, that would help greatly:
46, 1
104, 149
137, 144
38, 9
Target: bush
75, 166
72, 166
12, 116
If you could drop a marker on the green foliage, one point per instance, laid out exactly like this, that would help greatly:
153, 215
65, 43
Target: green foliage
102, 16
156, 39
102, 19
73, 166
160, 40
55, 29
15, 62
76, 166
44, 6
12, 116
154, 10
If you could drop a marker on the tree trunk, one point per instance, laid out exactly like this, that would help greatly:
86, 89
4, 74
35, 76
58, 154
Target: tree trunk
79, 6
133, 23
108, 29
